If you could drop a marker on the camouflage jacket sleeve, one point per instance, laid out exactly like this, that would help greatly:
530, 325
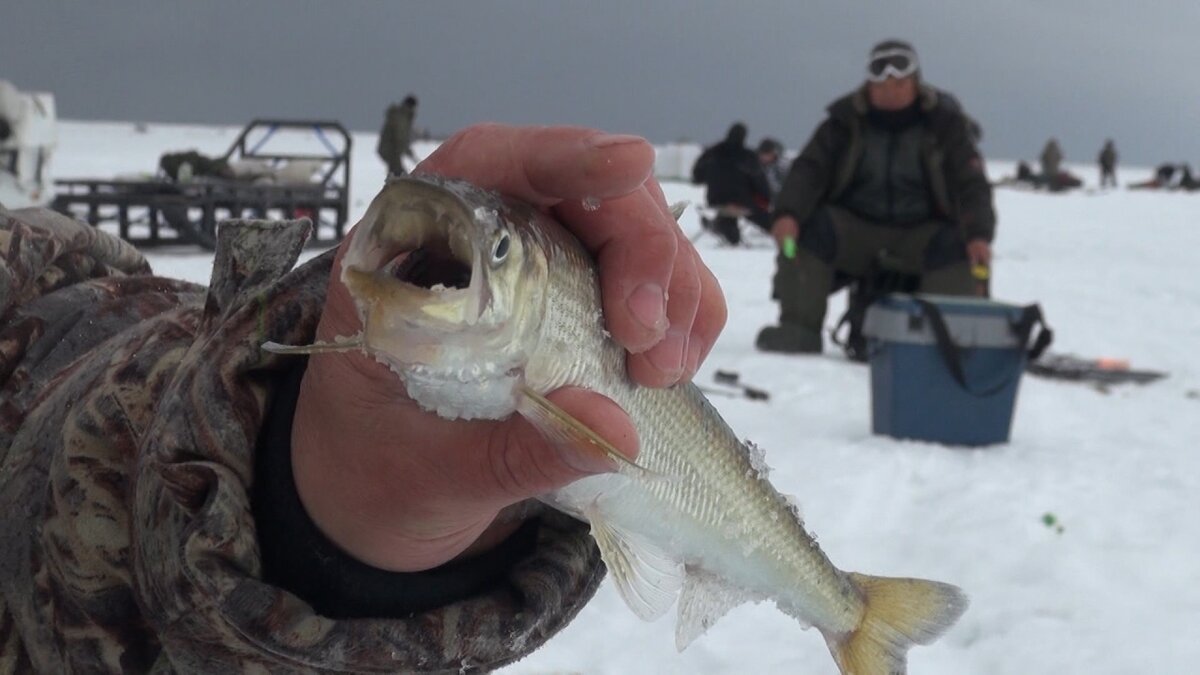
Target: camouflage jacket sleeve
130, 409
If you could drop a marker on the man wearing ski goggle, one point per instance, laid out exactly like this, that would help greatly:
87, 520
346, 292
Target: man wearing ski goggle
897, 63
891, 177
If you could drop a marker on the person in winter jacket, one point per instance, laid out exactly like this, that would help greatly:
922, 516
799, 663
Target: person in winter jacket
1170, 176
735, 183
395, 138
891, 179
173, 499
1051, 159
770, 156
1108, 164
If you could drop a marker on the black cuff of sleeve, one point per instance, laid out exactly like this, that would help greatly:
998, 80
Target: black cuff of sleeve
297, 557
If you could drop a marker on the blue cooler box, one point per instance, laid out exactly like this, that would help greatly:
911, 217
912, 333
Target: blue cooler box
946, 369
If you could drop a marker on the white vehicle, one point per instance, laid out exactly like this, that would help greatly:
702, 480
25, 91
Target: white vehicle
28, 135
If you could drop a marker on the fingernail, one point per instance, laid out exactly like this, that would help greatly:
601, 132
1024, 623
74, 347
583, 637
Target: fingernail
696, 350
589, 460
668, 356
648, 304
609, 140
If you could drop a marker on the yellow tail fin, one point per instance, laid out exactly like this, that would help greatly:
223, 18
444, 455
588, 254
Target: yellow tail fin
899, 613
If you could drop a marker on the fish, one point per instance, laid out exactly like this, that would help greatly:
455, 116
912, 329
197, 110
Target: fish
482, 305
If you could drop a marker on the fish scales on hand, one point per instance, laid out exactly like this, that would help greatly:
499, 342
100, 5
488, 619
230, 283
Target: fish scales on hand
483, 305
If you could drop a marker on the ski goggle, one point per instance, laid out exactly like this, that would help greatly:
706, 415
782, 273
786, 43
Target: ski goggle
898, 63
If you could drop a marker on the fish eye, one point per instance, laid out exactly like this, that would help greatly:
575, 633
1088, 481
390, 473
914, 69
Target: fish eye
500, 251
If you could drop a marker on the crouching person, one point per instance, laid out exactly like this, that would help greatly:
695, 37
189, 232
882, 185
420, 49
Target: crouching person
890, 180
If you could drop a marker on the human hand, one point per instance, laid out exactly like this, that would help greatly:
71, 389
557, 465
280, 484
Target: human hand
979, 252
643, 256
784, 228
403, 489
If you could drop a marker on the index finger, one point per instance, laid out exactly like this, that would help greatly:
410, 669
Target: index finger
544, 165
635, 244
631, 234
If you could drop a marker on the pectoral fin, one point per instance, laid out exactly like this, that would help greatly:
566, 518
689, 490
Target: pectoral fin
647, 578
339, 344
560, 428
706, 598
678, 208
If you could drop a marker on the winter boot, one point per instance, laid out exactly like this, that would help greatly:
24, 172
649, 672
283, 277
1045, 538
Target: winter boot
789, 339
727, 227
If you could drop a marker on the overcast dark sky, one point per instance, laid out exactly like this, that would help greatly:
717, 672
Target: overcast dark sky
1080, 70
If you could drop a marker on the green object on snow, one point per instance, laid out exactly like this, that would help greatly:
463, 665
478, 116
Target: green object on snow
1051, 521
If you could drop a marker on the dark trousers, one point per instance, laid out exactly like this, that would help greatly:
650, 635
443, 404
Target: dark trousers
727, 226
836, 240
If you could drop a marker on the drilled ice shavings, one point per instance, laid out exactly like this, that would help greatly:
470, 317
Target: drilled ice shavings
793, 506
758, 461
485, 215
599, 319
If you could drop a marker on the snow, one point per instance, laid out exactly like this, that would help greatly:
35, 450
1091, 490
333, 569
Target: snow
1116, 591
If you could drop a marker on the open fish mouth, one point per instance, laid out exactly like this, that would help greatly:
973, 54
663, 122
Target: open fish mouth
431, 266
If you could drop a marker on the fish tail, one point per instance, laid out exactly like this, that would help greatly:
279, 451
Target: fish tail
899, 613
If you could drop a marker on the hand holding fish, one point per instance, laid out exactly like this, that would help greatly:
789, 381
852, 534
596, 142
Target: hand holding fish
661, 303
485, 307
403, 489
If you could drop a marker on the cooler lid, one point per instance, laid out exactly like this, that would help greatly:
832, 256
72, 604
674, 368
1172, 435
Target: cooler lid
970, 321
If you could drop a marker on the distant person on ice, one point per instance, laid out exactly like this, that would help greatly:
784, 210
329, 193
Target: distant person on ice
893, 168
1108, 164
1170, 176
770, 156
395, 139
735, 183
1051, 159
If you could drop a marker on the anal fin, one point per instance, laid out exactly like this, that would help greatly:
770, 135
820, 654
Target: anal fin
706, 598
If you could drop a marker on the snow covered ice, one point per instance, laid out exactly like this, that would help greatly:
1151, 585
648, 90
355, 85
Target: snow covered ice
1117, 591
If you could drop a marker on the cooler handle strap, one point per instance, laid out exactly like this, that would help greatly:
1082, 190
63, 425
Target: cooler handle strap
952, 353
1032, 316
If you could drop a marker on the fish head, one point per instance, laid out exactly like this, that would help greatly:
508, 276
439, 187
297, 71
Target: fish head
447, 279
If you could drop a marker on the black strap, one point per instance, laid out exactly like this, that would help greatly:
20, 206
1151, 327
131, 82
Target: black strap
1032, 316
880, 280
952, 353
835, 333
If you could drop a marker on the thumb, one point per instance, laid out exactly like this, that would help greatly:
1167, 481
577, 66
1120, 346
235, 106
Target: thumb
525, 462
